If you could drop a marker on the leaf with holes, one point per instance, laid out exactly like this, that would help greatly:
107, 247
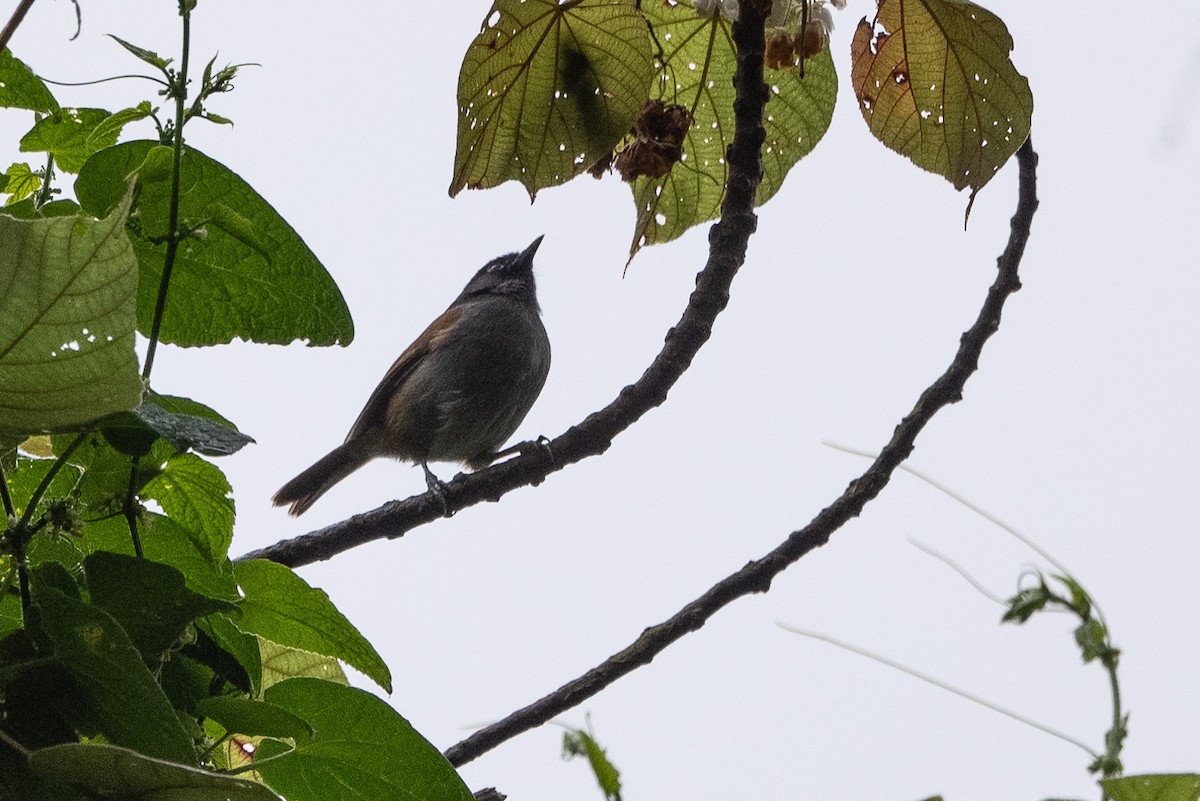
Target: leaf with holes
699, 62
66, 321
72, 135
244, 273
935, 83
547, 89
20, 88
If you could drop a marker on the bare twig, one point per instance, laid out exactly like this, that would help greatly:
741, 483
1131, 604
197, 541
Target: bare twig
14, 22
727, 252
758, 575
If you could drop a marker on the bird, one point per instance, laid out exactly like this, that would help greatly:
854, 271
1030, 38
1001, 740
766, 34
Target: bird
457, 393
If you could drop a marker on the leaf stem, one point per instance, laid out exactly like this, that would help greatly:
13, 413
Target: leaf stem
179, 95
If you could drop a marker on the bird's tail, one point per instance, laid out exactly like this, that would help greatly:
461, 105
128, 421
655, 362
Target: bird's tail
304, 490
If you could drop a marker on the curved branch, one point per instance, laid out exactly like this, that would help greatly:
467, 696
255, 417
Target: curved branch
758, 575
727, 251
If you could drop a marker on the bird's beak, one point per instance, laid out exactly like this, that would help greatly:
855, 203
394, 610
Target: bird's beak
526, 256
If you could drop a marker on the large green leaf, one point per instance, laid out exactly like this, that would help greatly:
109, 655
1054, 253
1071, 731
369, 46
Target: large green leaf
123, 701
547, 89
283, 608
150, 600
360, 743
108, 772
249, 276
935, 83
166, 542
1154, 787
699, 63
20, 88
67, 320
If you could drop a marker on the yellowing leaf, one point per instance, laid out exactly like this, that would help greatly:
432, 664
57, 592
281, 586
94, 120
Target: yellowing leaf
67, 319
699, 62
546, 90
935, 83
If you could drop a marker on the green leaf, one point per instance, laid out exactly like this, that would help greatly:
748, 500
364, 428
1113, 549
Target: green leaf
179, 405
360, 742
237, 226
196, 495
71, 135
134, 432
149, 600
281, 607
19, 783
66, 321
221, 287
256, 718
166, 542
106, 471
1081, 602
110, 128
1092, 639
547, 89
580, 742
700, 60
124, 702
20, 88
1026, 603
109, 772
1154, 787
935, 83
148, 56
20, 181
24, 477
280, 663
240, 647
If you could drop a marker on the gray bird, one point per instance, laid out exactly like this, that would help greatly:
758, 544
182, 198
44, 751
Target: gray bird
457, 393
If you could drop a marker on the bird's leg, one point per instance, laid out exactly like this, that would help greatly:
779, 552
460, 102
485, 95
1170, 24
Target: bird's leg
438, 488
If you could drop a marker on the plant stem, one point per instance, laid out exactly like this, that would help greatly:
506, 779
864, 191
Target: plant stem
128, 509
36, 497
179, 93
9, 509
44, 193
21, 532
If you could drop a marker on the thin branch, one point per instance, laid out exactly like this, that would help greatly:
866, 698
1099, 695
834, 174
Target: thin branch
960, 570
727, 251
14, 22
758, 575
936, 682
974, 507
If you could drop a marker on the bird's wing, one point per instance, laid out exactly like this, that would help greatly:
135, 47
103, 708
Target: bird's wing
373, 414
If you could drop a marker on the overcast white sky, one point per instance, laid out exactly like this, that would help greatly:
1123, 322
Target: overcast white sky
1080, 427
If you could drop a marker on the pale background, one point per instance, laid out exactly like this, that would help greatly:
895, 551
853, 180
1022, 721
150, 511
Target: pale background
1080, 428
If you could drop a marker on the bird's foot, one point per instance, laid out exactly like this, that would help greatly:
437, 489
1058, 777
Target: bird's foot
438, 489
